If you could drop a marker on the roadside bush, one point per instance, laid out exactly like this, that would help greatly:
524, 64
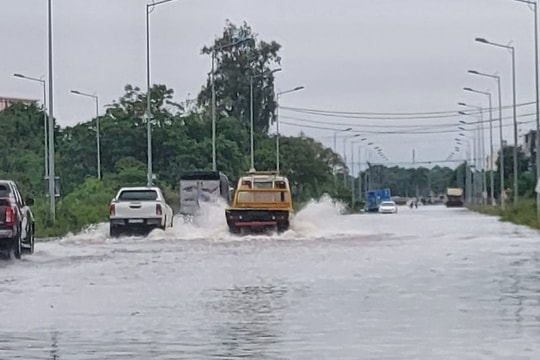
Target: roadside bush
524, 213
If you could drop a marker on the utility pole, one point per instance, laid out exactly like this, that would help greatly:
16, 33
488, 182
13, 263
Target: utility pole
483, 158
52, 177
415, 178
214, 164
360, 173
352, 181
98, 146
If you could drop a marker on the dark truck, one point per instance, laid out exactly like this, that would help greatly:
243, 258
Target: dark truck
454, 197
202, 186
16, 221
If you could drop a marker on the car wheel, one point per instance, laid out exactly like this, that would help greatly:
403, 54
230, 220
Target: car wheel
114, 231
29, 241
16, 248
234, 230
32, 238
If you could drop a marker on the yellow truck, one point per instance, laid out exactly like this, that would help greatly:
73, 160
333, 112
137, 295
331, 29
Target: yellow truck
262, 202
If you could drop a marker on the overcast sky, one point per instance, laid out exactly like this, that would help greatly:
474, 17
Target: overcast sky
351, 55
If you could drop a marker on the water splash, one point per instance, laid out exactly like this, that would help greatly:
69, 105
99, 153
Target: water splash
317, 219
92, 234
324, 218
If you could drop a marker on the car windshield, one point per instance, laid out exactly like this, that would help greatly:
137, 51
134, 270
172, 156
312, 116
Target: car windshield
388, 203
264, 184
138, 195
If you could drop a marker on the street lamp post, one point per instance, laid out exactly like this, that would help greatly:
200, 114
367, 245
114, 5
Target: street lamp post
98, 146
43, 84
346, 175
52, 177
468, 175
298, 88
481, 152
377, 169
475, 151
368, 170
535, 10
501, 157
335, 152
212, 75
212, 81
359, 167
252, 166
149, 9
512, 51
491, 176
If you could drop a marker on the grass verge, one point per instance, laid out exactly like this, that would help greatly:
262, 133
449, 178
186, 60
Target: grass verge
524, 213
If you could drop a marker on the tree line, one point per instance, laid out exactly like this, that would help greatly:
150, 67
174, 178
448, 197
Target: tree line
182, 141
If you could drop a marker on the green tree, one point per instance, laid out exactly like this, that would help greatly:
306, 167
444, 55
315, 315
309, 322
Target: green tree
235, 65
523, 164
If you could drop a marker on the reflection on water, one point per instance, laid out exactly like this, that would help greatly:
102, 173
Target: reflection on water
54, 346
247, 320
520, 290
427, 284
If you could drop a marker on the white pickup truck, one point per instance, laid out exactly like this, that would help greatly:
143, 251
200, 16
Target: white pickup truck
139, 209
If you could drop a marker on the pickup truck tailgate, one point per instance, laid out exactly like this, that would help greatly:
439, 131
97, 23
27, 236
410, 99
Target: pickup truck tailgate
136, 209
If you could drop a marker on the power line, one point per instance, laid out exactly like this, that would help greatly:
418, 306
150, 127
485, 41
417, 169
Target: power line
419, 127
363, 125
396, 132
393, 116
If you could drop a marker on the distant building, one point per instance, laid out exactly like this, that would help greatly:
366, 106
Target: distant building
6, 102
530, 143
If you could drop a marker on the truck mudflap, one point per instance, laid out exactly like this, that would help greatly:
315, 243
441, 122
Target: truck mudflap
250, 220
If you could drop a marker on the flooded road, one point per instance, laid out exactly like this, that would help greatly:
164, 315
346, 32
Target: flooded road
431, 283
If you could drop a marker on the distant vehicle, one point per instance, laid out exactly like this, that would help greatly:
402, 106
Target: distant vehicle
139, 210
16, 221
399, 200
388, 207
454, 197
375, 197
202, 186
262, 202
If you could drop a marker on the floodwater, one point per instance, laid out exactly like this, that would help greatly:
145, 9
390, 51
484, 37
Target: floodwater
427, 283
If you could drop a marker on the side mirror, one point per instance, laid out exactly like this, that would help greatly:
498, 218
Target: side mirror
29, 201
231, 193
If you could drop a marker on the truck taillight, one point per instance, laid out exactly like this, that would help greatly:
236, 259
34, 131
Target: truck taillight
10, 216
158, 209
112, 209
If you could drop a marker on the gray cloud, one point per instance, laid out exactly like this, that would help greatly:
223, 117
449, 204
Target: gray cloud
352, 55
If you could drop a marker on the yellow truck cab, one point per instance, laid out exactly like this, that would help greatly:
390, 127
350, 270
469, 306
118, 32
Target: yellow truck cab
262, 202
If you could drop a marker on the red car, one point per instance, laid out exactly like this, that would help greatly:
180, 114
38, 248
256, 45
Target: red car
16, 221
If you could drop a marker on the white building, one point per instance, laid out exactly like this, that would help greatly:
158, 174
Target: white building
6, 102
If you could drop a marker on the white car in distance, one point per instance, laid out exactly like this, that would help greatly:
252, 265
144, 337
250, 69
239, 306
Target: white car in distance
388, 207
139, 210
